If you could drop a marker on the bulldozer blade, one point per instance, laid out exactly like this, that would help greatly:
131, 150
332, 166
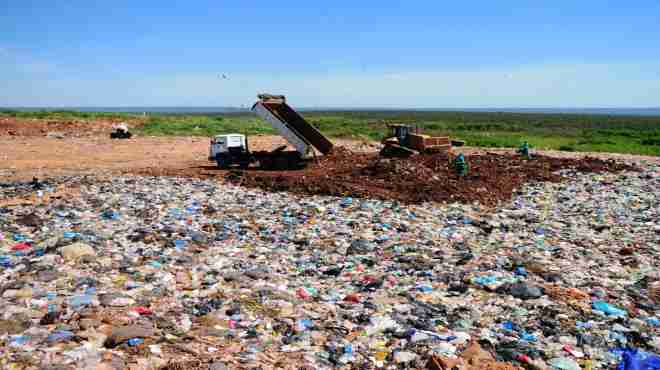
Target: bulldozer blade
396, 151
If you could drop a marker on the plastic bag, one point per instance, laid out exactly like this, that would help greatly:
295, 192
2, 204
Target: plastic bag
634, 359
608, 309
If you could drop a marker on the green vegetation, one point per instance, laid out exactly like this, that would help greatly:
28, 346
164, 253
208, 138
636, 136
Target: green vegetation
204, 125
62, 114
567, 132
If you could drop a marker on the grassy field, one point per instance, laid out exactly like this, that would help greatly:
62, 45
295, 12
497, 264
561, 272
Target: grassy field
61, 114
569, 132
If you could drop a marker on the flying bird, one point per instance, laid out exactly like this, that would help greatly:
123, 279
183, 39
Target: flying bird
223, 76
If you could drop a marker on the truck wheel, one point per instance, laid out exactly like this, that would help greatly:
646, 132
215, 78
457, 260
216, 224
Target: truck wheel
266, 164
222, 161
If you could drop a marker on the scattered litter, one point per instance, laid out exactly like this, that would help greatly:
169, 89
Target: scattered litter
171, 272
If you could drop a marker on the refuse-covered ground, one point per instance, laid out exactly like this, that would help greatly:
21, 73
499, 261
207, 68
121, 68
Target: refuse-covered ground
144, 272
491, 177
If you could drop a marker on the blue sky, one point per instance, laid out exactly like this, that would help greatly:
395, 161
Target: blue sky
341, 53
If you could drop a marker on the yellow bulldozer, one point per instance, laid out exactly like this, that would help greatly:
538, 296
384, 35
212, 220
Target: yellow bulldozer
404, 141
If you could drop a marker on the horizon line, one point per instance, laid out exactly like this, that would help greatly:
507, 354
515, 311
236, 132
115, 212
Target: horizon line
312, 107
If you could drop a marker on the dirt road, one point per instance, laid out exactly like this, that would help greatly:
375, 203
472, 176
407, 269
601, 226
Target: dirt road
26, 157
23, 158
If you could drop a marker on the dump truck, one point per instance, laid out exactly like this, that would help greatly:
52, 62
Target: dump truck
232, 149
404, 141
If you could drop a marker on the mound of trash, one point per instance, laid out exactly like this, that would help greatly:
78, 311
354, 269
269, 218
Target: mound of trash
162, 273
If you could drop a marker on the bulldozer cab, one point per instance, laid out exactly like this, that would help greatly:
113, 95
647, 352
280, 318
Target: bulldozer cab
400, 132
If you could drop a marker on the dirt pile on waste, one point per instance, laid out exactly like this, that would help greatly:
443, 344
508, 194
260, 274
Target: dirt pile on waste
490, 179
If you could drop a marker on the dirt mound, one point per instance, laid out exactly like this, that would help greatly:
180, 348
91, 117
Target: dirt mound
30, 127
491, 178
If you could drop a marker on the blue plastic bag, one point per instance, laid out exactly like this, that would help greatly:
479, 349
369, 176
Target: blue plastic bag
520, 271
608, 309
425, 288
633, 359
508, 325
348, 349
346, 202
528, 337
305, 324
5, 262
485, 280
179, 244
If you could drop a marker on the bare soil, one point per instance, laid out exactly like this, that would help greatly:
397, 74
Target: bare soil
35, 127
25, 157
27, 151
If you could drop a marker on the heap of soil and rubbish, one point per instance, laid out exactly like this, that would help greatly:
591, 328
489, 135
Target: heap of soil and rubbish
491, 177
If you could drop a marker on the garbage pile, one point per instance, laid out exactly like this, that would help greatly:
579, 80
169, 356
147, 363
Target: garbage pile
181, 273
491, 178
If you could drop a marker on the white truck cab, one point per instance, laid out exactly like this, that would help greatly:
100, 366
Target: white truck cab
229, 149
223, 143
